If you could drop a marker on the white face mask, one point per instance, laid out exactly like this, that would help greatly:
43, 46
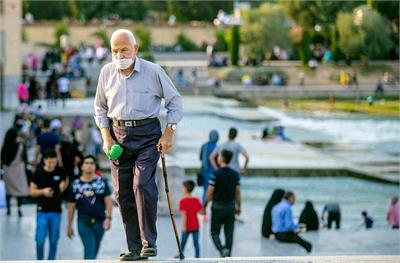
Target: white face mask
122, 63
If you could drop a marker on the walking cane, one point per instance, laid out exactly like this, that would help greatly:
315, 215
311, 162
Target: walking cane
171, 212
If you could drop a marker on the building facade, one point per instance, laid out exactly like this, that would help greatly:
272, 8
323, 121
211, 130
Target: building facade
10, 51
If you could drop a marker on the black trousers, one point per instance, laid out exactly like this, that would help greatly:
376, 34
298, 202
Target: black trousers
334, 217
223, 216
291, 237
134, 182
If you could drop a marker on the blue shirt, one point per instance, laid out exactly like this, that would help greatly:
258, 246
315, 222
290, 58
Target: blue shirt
282, 217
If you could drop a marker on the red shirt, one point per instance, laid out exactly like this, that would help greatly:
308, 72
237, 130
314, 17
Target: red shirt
192, 206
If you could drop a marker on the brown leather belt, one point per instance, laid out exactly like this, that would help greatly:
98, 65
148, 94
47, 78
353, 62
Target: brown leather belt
133, 123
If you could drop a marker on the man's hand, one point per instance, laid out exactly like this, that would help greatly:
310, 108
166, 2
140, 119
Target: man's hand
70, 232
165, 141
48, 192
107, 224
238, 211
107, 143
243, 170
203, 212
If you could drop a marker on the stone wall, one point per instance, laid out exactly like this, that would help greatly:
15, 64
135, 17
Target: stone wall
161, 35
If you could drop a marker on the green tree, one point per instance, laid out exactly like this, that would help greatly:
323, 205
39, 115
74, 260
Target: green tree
60, 29
363, 34
144, 37
47, 10
197, 10
264, 28
233, 45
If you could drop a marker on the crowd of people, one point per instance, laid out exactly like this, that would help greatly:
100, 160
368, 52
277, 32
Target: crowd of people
278, 222
52, 161
49, 76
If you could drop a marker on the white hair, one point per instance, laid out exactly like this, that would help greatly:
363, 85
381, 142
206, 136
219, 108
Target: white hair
126, 32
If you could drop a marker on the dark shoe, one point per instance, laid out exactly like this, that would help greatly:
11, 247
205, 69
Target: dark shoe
225, 253
8, 212
20, 213
131, 256
148, 252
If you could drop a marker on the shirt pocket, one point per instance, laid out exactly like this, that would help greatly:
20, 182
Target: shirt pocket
141, 101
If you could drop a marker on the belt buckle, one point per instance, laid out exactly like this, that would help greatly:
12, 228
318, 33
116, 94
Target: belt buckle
128, 123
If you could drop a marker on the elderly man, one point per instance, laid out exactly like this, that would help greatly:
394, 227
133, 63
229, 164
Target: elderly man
127, 104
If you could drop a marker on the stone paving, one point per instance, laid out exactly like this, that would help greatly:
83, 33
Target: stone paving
17, 240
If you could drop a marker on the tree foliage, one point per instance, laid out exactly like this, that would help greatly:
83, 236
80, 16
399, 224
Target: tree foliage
263, 29
363, 34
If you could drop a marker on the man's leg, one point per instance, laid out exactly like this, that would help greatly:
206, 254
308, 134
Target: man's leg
54, 227
291, 237
41, 233
146, 194
338, 221
122, 179
330, 220
88, 240
229, 224
216, 223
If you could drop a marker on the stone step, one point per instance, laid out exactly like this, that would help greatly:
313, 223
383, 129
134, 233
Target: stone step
306, 259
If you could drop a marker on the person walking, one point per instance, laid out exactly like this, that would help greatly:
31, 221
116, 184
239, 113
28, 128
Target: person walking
63, 88
189, 207
14, 159
127, 106
224, 191
48, 183
236, 149
284, 228
206, 168
393, 213
266, 227
23, 93
90, 195
47, 140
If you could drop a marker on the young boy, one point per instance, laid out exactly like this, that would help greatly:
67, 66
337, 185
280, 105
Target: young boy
190, 206
224, 192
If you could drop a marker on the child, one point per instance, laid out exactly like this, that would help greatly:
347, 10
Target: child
190, 206
368, 221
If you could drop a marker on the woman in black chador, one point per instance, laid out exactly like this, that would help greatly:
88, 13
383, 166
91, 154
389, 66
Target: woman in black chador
309, 217
276, 197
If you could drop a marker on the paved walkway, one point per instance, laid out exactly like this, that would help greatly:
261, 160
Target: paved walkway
17, 240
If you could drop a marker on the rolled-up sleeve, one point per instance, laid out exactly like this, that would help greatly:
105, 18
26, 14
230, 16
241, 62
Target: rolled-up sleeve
100, 104
173, 100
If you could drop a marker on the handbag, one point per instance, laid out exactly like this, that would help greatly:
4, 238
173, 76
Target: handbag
200, 179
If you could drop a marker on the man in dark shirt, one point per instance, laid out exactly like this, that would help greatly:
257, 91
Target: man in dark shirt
90, 195
224, 190
47, 184
47, 140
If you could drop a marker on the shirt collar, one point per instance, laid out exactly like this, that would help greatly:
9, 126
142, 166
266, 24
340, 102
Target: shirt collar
137, 64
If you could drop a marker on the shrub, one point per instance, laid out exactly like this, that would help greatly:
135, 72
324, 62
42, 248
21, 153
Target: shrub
186, 43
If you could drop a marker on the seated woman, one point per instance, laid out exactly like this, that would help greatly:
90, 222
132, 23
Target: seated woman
309, 217
276, 197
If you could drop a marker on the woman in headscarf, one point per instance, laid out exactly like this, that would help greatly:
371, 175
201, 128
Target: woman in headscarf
309, 217
276, 197
206, 167
13, 158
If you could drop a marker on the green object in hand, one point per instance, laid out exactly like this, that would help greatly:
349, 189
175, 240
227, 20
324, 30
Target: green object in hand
115, 152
